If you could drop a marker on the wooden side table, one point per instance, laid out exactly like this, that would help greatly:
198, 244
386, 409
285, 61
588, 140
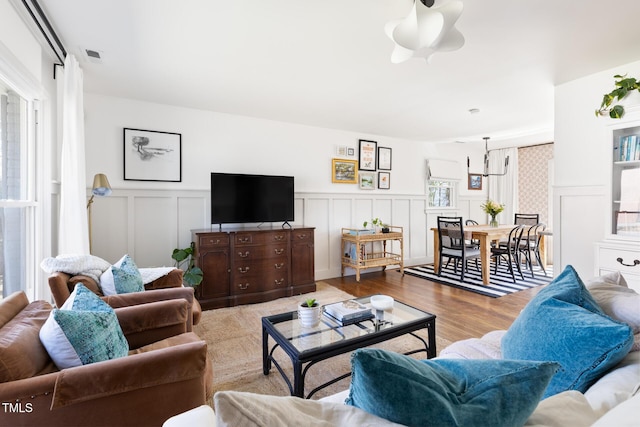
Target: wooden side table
358, 250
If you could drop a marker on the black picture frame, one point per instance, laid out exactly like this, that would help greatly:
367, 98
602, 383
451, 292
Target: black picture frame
151, 155
367, 154
384, 180
384, 158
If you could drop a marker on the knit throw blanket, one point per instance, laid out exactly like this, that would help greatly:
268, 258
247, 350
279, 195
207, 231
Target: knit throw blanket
93, 266
87, 265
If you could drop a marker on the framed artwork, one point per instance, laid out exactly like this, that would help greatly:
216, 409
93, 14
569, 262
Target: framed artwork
384, 158
367, 155
351, 152
384, 179
475, 181
341, 151
367, 180
151, 155
344, 171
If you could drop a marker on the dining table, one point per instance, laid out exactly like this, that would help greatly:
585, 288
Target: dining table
484, 234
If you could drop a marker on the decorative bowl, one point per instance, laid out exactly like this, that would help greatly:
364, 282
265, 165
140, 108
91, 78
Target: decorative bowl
381, 302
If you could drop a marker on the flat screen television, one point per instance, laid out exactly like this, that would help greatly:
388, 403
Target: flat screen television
241, 198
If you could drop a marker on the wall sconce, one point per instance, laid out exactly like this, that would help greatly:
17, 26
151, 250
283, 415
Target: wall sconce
101, 188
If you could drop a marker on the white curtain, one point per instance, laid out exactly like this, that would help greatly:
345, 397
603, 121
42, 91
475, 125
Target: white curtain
504, 189
73, 230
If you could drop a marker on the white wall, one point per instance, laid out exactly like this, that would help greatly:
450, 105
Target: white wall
581, 156
149, 219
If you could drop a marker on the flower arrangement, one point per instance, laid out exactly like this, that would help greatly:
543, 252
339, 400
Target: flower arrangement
492, 208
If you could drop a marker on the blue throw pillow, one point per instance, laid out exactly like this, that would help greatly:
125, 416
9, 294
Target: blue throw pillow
122, 278
564, 324
84, 330
446, 392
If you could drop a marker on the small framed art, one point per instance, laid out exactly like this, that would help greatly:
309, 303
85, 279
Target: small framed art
367, 155
384, 180
344, 171
151, 155
475, 181
384, 158
367, 180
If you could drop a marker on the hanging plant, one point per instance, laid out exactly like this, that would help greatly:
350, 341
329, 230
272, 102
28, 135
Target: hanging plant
624, 85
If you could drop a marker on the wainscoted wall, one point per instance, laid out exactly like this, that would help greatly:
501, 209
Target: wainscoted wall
149, 224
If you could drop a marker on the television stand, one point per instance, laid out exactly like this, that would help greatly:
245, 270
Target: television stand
245, 266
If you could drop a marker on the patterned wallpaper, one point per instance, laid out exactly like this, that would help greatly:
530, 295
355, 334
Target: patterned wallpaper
533, 185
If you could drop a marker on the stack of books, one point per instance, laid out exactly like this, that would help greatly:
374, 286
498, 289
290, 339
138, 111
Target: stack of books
348, 312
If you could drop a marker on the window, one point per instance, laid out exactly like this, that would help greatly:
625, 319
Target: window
442, 193
17, 204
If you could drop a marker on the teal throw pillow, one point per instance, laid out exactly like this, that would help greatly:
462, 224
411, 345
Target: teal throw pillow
83, 331
446, 392
564, 324
122, 278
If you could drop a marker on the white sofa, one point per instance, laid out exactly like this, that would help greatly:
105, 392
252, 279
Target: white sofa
613, 400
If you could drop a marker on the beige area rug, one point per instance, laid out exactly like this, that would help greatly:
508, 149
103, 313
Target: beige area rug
234, 339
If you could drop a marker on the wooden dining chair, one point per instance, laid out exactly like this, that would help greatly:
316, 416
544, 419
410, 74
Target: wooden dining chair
453, 246
510, 249
530, 246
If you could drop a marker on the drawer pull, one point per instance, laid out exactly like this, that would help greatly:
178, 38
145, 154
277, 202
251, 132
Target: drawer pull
278, 251
216, 242
302, 236
279, 282
243, 255
635, 262
279, 266
278, 237
243, 287
243, 269
244, 239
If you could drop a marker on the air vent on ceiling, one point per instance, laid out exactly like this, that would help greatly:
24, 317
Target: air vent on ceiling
93, 55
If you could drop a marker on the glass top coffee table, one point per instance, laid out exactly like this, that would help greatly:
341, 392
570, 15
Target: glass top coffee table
308, 346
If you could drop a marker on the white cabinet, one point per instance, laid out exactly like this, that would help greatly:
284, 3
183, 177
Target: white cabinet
620, 251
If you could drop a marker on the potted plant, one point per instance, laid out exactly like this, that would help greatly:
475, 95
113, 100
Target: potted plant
377, 222
192, 275
492, 209
309, 313
624, 85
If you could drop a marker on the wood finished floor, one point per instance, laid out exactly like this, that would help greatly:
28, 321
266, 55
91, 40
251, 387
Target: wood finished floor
460, 314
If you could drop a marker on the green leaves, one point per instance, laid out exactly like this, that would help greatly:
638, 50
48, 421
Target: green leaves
192, 275
624, 85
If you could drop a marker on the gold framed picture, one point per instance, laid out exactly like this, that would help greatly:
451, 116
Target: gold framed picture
344, 171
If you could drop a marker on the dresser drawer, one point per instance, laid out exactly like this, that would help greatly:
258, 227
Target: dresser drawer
241, 239
615, 259
301, 236
213, 240
252, 253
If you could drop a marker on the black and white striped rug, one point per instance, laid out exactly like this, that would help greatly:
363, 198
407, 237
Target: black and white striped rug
500, 284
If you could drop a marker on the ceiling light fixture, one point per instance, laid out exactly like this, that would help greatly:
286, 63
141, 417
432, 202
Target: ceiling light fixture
429, 28
486, 161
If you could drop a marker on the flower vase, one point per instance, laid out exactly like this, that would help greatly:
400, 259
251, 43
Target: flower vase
494, 221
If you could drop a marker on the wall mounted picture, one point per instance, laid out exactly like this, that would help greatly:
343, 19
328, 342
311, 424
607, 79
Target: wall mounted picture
344, 171
367, 155
351, 152
151, 155
384, 158
475, 181
367, 180
384, 180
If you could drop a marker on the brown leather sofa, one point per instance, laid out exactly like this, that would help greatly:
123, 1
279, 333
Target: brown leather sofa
166, 372
62, 284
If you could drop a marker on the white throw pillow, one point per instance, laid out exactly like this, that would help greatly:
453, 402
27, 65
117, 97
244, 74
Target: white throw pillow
616, 386
241, 409
84, 330
623, 415
569, 408
121, 278
618, 301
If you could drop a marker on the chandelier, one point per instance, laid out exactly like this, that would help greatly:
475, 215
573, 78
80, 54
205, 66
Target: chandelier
428, 29
486, 173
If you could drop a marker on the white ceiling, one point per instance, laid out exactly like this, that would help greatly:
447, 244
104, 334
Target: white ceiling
327, 62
